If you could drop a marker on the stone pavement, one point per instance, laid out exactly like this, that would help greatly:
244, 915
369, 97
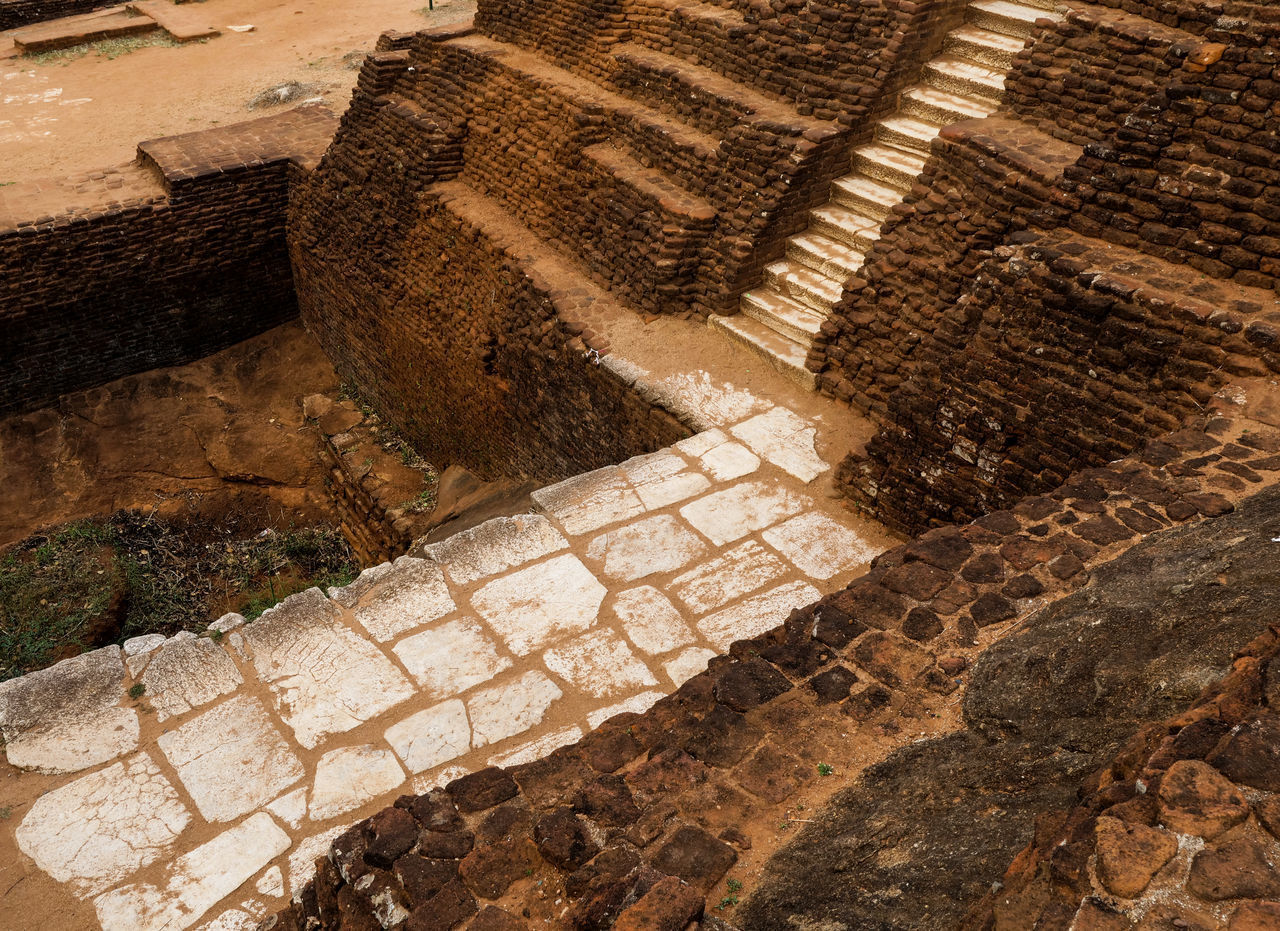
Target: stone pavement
197, 778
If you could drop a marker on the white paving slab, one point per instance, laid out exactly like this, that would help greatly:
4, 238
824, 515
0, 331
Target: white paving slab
511, 708
655, 544
728, 515
291, 807
707, 403
99, 829
196, 881
348, 777
302, 858
599, 664
187, 672
538, 748
636, 704
818, 545
588, 502
736, 572
231, 759
688, 664
451, 657
785, 439
719, 456
531, 607
68, 717
662, 478
324, 679
271, 882
756, 614
431, 737
411, 593
650, 621
495, 546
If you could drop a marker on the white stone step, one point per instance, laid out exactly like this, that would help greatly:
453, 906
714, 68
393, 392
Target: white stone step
816, 291
1011, 19
983, 46
822, 253
786, 355
965, 78
907, 132
850, 227
929, 103
888, 163
867, 196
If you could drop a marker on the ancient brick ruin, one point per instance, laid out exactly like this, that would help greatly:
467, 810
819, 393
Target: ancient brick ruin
1029, 251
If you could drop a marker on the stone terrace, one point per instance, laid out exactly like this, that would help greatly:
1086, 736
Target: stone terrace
184, 768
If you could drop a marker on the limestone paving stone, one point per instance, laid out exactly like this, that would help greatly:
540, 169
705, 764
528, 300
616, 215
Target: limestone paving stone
495, 546
720, 457
636, 704
99, 829
785, 439
599, 664
324, 679
539, 747
650, 621
231, 759
303, 856
757, 614
660, 479
348, 777
735, 572
68, 717
185, 673
819, 546
196, 881
432, 736
705, 403
656, 544
532, 606
730, 514
591, 501
451, 658
688, 664
271, 882
511, 708
291, 807
412, 593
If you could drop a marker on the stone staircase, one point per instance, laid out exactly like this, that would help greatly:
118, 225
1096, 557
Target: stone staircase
779, 319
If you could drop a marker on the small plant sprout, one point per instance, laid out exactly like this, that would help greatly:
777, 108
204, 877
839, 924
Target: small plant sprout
136, 690
733, 885
825, 769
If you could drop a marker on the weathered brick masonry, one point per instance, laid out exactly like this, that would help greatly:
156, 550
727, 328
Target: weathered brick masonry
664, 151
15, 13
157, 263
1072, 275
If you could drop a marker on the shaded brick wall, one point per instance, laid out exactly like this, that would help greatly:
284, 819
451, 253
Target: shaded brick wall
193, 261
15, 13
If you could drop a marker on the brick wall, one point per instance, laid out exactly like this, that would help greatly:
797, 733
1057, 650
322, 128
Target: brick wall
153, 264
15, 13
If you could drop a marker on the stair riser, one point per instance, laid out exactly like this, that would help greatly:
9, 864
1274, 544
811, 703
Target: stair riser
798, 374
903, 140
927, 111
871, 208
889, 174
827, 266
1002, 24
960, 86
859, 241
816, 301
998, 58
777, 324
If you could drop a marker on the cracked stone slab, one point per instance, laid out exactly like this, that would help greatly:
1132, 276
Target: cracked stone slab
231, 759
656, 544
728, 515
783, 438
348, 777
704, 403
636, 704
196, 881
721, 457
590, 501
538, 748
101, 828
432, 736
650, 621
451, 658
496, 546
185, 673
757, 614
271, 882
735, 572
688, 664
819, 546
661, 478
410, 593
323, 678
599, 664
531, 607
68, 717
512, 708
290, 807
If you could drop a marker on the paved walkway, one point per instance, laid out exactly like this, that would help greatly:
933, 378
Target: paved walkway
196, 778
